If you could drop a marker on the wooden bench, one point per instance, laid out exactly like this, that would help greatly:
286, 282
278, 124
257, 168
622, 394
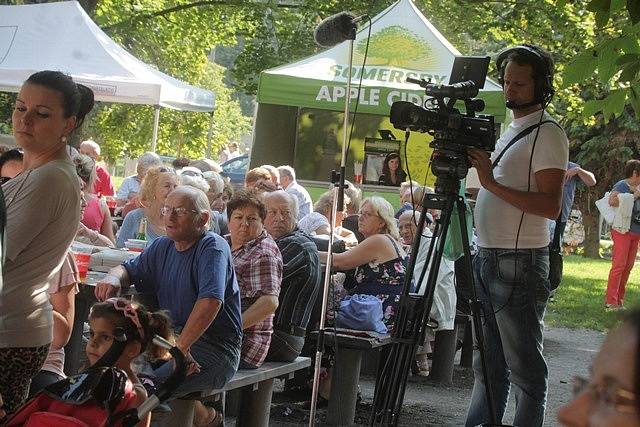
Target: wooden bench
346, 374
256, 386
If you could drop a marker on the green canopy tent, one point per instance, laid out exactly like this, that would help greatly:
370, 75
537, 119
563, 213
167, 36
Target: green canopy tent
297, 119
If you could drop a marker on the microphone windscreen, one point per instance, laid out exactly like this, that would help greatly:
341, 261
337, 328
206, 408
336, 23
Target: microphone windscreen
335, 29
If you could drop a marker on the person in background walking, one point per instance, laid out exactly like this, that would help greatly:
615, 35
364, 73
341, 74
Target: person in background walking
625, 241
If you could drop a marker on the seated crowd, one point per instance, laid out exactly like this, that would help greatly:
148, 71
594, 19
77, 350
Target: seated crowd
238, 273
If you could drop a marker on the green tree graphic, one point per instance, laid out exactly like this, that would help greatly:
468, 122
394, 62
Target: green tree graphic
396, 46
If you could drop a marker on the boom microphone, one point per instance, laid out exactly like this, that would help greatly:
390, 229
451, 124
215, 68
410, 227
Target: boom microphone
337, 28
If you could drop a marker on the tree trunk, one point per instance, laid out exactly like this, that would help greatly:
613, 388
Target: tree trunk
591, 235
585, 199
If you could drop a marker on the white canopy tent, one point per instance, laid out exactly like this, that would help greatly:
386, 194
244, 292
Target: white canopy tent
61, 36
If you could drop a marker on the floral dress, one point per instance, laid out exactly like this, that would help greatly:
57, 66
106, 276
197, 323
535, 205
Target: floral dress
383, 280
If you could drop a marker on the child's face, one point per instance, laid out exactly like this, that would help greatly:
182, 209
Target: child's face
100, 340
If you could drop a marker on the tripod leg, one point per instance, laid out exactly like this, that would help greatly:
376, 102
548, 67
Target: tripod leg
476, 311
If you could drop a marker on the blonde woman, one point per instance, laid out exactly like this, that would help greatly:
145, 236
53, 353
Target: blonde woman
379, 259
156, 185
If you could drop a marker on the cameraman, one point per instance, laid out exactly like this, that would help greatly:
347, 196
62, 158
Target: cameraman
519, 195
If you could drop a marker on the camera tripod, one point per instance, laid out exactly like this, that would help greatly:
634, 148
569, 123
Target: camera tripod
413, 311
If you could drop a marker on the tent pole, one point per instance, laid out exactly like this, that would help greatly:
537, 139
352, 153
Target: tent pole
156, 124
209, 136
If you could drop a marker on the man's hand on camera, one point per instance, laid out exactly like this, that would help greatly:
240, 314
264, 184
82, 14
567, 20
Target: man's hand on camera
107, 287
482, 162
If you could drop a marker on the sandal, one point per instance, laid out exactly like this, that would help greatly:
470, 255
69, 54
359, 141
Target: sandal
420, 367
215, 418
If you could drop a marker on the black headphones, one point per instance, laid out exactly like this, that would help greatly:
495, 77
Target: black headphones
543, 71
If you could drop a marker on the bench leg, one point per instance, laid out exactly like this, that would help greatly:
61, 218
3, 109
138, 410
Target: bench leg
344, 388
181, 415
444, 351
255, 405
466, 356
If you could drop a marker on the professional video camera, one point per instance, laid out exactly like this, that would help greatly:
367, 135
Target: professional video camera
453, 131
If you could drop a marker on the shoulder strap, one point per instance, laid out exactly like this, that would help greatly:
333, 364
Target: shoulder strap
521, 135
394, 245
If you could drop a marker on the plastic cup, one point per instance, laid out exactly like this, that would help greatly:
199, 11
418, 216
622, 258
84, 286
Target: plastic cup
82, 255
111, 204
357, 172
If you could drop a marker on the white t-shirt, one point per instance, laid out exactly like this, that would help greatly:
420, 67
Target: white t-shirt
67, 276
43, 212
496, 220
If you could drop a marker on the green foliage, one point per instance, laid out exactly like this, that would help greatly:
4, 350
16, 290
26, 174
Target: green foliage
174, 37
282, 35
616, 51
177, 43
7, 100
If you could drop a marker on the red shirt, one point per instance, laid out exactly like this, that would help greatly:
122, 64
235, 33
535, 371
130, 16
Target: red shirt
103, 184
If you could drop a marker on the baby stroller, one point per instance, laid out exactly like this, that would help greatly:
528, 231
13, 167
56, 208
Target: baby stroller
98, 396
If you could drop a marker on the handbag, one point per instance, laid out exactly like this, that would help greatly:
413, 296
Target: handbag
362, 313
607, 211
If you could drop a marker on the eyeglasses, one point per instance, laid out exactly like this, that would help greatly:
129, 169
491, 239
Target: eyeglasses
179, 212
129, 311
608, 393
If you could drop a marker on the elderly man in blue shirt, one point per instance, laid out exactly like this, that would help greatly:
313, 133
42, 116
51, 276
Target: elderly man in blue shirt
190, 271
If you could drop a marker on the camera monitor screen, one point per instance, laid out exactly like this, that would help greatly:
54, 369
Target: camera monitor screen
472, 68
375, 152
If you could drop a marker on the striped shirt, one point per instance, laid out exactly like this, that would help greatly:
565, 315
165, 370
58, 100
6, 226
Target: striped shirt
300, 282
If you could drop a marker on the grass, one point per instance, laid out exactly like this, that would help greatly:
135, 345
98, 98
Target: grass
579, 301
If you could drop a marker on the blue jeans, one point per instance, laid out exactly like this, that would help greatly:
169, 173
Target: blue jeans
218, 359
513, 289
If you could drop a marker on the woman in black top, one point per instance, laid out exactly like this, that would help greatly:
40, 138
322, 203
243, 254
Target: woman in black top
392, 173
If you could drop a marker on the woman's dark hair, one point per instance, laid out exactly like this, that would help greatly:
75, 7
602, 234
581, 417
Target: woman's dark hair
180, 162
385, 166
153, 323
244, 198
630, 167
13, 155
77, 99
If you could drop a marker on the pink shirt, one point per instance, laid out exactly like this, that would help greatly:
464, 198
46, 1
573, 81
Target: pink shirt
93, 216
